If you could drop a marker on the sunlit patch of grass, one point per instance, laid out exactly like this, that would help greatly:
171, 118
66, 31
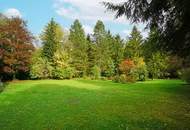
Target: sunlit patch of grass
95, 105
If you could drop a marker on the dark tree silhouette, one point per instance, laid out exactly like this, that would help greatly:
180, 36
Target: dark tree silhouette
171, 17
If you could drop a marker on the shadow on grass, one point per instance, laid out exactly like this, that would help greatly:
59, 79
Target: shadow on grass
3, 86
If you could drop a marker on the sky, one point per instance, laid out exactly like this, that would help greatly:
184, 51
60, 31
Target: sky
38, 13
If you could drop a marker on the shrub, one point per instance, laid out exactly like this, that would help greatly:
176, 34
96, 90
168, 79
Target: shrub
96, 72
134, 69
130, 79
40, 68
63, 73
109, 70
157, 65
123, 78
127, 66
141, 69
186, 75
116, 79
175, 64
69, 73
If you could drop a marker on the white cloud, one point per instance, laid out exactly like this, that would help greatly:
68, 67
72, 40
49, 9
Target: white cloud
12, 12
88, 29
90, 10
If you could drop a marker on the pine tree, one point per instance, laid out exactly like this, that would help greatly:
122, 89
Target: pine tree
51, 39
79, 49
99, 39
91, 54
133, 46
103, 59
117, 52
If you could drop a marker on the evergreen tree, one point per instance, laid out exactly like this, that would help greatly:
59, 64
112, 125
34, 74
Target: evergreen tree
133, 46
103, 57
51, 40
150, 46
79, 48
91, 54
117, 52
99, 39
171, 17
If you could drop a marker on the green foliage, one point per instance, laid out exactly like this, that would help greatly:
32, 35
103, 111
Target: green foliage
103, 49
133, 45
63, 73
157, 65
96, 72
99, 31
123, 78
51, 39
140, 69
117, 52
110, 69
79, 49
90, 54
186, 75
150, 46
170, 17
40, 68
61, 58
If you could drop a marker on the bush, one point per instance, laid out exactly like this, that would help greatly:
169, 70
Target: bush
157, 65
141, 69
41, 69
124, 79
130, 79
63, 73
133, 69
116, 79
186, 75
96, 72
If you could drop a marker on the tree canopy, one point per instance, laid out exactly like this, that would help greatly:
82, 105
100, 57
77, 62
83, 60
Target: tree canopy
171, 17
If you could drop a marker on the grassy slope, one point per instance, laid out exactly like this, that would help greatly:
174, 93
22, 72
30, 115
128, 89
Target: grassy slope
95, 105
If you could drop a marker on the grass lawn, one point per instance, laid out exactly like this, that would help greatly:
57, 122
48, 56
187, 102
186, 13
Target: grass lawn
95, 105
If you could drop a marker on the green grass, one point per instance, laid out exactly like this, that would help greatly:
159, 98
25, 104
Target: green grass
95, 105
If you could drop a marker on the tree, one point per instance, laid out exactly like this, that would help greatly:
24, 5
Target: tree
116, 48
91, 55
62, 69
40, 68
79, 48
150, 45
133, 45
103, 59
15, 49
157, 65
170, 17
51, 37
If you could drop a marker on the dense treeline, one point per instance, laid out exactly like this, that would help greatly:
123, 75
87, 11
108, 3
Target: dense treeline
100, 55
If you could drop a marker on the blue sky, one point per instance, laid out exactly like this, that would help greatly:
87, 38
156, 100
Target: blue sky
37, 13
